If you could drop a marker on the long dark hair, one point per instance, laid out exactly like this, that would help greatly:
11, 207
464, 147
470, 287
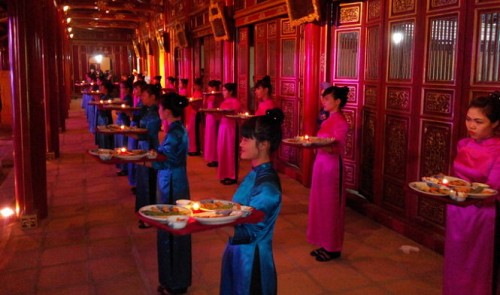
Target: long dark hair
265, 82
265, 128
338, 93
174, 102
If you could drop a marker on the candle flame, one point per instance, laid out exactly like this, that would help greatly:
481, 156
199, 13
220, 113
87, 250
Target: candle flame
123, 149
123, 105
196, 205
122, 127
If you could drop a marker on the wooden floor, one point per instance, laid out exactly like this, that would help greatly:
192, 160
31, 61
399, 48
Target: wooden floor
90, 243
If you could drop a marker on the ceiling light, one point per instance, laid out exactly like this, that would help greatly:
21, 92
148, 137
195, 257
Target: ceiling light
65, 8
71, 36
70, 29
68, 20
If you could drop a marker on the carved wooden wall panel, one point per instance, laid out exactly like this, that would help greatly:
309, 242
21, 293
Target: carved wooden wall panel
436, 149
350, 14
396, 146
440, 4
398, 99
243, 72
371, 95
350, 147
393, 195
400, 7
429, 210
374, 10
367, 165
438, 102
290, 127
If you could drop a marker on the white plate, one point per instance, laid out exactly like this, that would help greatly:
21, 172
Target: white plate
97, 152
424, 188
219, 205
212, 218
486, 193
150, 212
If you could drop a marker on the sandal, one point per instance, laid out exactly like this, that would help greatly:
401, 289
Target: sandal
316, 252
323, 255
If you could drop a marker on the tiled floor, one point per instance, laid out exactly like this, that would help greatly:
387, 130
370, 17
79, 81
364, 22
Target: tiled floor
90, 243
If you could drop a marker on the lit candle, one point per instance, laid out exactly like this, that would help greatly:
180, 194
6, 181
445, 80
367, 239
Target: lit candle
306, 137
123, 105
445, 181
212, 92
196, 205
101, 101
246, 114
109, 100
122, 127
190, 99
123, 149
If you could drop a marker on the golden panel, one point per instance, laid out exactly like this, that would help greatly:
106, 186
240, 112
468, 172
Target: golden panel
442, 3
288, 88
438, 103
349, 14
398, 99
287, 28
350, 116
371, 96
435, 149
374, 9
403, 6
396, 143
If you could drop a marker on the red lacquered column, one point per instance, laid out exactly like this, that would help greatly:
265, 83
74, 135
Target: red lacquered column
311, 93
26, 59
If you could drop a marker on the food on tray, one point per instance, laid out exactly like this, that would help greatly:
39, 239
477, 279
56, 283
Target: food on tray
217, 205
424, 187
441, 179
163, 211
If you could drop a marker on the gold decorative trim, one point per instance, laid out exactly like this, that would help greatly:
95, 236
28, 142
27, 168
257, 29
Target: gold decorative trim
296, 9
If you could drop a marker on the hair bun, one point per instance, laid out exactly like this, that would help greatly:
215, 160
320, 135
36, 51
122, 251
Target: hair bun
181, 101
276, 115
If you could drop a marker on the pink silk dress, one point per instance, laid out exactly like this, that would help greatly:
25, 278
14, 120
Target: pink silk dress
211, 127
470, 231
264, 106
325, 226
190, 113
226, 141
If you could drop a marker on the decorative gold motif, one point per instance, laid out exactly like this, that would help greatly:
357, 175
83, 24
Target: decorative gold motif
436, 102
350, 14
371, 96
287, 29
402, 6
441, 3
271, 29
435, 148
350, 116
302, 11
398, 99
395, 154
218, 21
374, 9
288, 88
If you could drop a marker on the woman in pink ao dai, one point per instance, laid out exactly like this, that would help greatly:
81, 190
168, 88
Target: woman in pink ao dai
325, 226
469, 253
226, 140
211, 127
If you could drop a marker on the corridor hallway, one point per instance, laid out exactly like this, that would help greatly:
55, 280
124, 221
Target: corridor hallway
90, 243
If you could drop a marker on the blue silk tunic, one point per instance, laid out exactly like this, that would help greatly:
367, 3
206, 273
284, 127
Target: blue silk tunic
174, 252
248, 265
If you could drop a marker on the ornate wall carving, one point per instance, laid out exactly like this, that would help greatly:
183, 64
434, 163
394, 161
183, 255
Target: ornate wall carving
442, 3
288, 49
398, 99
396, 147
288, 88
437, 102
402, 6
349, 173
367, 153
290, 129
374, 10
350, 14
435, 149
371, 96
287, 29
350, 116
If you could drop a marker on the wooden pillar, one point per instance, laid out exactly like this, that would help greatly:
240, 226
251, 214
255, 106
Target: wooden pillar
311, 93
52, 79
26, 58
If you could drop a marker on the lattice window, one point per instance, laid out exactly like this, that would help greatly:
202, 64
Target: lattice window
401, 51
488, 51
442, 49
372, 53
347, 55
